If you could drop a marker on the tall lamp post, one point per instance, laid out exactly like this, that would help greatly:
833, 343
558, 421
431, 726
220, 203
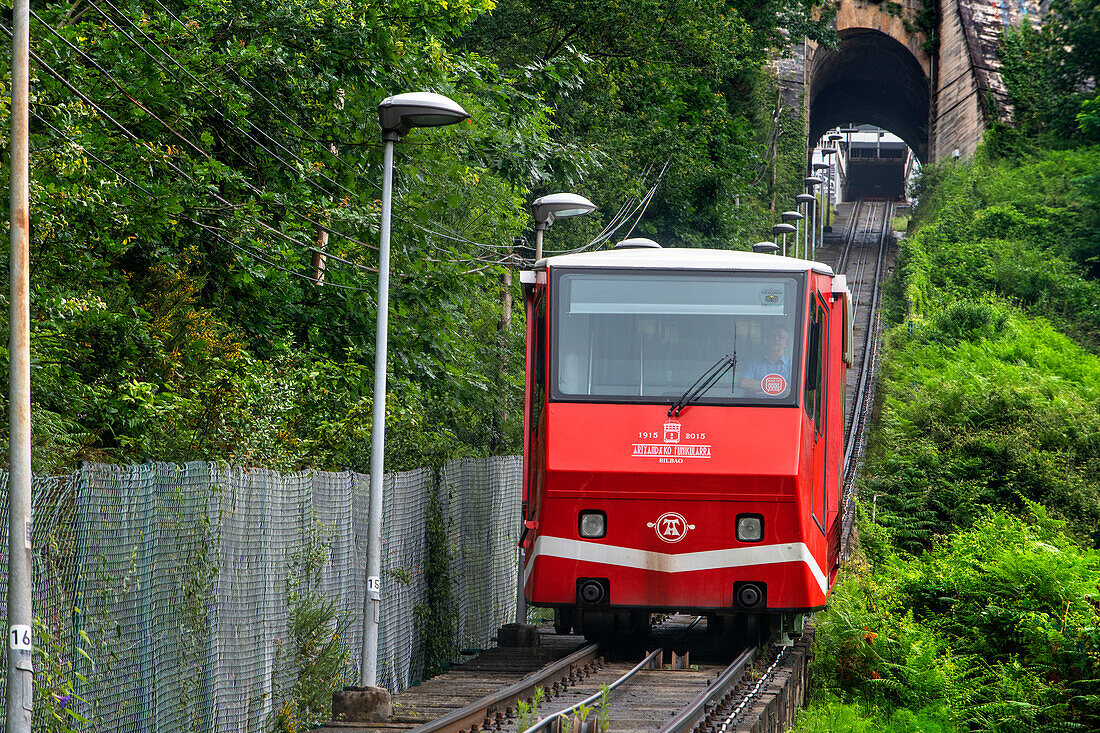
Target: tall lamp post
553, 206
811, 182
804, 200
783, 229
545, 210
397, 115
791, 217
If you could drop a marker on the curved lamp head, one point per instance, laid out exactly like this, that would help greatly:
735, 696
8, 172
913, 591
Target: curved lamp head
812, 181
804, 198
553, 206
821, 166
828, 151
783, 229
765, 247
834, 137
402, 112
791, 216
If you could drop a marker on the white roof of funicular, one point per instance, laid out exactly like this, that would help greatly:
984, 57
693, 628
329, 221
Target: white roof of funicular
685, 259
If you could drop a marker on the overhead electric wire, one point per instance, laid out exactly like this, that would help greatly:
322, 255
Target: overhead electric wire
248, 184
133, 137
216, 231
252, 253
357, 169
609, 231
486, 248
453, 237
211, 92
330, 230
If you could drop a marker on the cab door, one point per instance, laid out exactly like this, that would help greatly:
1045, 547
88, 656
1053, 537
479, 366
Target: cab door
816, 405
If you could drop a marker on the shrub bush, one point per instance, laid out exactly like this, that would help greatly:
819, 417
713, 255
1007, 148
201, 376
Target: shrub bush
991, 629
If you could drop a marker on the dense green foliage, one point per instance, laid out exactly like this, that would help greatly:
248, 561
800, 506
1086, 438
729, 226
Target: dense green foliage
992, 630
976, 605
191, 159
979, 611
1050, 73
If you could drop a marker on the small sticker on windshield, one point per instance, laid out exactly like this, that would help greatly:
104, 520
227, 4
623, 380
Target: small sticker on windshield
771, 295
773, 384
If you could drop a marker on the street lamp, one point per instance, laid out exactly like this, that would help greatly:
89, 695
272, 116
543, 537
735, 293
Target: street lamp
765, 247
783, 229
795, 217
553, 206
545, 210
804, 199
397, 115
810, 182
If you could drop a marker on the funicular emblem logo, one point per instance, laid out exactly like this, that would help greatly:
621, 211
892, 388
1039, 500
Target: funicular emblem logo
672, 432
773, 384
671, 527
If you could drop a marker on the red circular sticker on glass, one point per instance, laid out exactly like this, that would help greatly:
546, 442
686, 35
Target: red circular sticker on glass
773, 384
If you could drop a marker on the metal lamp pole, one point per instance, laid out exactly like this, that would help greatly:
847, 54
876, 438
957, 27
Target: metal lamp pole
545, 210
804, 200
812, 181
792, 218
20, 674
398, 115
783, 229
821, 170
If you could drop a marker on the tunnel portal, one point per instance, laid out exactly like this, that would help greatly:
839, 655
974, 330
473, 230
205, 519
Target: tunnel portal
870, 78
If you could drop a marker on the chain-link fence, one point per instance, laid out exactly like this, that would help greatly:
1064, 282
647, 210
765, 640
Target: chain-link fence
168, 596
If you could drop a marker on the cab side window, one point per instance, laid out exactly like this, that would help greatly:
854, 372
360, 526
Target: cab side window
814, 388
538, 361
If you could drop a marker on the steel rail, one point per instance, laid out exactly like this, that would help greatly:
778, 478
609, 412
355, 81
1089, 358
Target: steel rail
866, 360
478, 711
644, 664
549, 719
696, 711
849, 235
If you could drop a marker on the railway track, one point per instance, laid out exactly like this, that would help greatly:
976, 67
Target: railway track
685, 684
863, 256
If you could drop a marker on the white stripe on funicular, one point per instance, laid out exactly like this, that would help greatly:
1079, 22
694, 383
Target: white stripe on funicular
662, 562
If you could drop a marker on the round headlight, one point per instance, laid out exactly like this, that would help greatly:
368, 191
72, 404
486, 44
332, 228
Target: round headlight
750, 527
593, 525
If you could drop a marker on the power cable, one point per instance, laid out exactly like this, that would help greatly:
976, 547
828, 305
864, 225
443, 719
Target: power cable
358, 170
195, 147
134, 138
216, 231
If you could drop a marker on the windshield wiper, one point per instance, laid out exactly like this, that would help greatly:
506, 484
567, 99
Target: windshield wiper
705, 381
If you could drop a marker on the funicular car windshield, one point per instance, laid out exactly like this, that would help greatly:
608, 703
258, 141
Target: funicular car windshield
626, 335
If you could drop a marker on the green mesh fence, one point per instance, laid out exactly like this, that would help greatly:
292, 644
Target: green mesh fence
164, 592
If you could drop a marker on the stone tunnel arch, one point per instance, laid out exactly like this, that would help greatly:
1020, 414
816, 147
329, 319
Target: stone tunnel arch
870, 78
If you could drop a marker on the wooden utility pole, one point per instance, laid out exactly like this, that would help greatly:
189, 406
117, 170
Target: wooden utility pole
321, 240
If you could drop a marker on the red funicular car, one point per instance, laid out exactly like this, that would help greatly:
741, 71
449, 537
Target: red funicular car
683, 430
